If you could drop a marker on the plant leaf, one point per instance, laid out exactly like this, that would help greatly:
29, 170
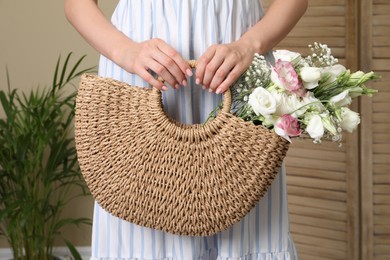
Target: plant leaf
70, 76
63, 72
73, 250
54, 83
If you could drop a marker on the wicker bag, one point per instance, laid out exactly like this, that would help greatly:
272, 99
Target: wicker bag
144, 167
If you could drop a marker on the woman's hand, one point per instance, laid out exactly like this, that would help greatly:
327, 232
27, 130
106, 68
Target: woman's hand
221, 65
134, 57
157, 56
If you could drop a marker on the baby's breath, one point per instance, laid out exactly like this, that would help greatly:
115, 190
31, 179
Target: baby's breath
321, 56
257, 75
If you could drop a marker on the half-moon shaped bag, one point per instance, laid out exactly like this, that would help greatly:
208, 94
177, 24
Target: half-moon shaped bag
142, 166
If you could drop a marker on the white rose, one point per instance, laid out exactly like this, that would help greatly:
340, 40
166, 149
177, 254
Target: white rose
262, 102
285, 55
288, 104
350, 119
342, 99
333, 71
315, 127
310, 76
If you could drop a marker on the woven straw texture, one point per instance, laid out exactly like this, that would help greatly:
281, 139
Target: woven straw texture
142, 166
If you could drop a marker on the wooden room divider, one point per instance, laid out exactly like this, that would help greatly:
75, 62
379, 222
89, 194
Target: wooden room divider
339, 197
375, 131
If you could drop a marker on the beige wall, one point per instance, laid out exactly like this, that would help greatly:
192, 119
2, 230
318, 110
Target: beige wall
32, 36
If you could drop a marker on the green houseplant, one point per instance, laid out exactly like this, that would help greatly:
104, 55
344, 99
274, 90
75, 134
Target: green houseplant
38, 164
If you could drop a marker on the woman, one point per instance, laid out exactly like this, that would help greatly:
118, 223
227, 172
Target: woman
158, 36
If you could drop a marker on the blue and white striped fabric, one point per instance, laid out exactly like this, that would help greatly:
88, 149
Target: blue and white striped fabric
191, 26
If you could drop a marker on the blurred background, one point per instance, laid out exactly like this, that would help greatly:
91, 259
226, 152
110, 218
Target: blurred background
339, 197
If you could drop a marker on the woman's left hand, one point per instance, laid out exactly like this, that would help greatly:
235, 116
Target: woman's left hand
221, 65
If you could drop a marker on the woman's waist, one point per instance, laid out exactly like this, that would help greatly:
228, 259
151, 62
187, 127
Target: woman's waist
229, 12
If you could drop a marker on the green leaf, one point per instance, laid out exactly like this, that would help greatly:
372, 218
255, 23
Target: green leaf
54, 83
8, 79
63, 72
75, 254
70, 76
71, 221
7, 102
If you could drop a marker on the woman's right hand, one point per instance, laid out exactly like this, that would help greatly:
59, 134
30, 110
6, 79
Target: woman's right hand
157, 56
134, 57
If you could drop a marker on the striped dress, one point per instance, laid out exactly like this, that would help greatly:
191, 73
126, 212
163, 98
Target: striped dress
191, 26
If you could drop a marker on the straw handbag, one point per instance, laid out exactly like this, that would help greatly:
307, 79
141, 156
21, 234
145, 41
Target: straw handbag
144, 167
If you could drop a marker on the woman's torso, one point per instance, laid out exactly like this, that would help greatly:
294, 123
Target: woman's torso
189, 26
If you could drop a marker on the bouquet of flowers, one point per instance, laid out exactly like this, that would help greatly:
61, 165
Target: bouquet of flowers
301, 96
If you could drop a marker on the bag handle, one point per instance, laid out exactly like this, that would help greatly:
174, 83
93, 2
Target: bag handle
227, 95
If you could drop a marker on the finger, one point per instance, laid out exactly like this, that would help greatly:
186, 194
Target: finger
174, 55
220, 75
170, 65
202, 63
163, 72
211, 69
145, 75
230, 79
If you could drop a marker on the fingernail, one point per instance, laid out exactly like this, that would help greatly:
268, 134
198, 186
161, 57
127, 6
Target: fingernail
197, 81
164, 88
203, 87
189, 72
184, 82
177, 86
218, 91
210, 90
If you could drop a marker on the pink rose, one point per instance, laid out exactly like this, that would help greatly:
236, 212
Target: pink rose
285, 76
287, 126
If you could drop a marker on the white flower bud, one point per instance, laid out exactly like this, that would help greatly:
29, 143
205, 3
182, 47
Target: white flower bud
315, 128
350, 119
